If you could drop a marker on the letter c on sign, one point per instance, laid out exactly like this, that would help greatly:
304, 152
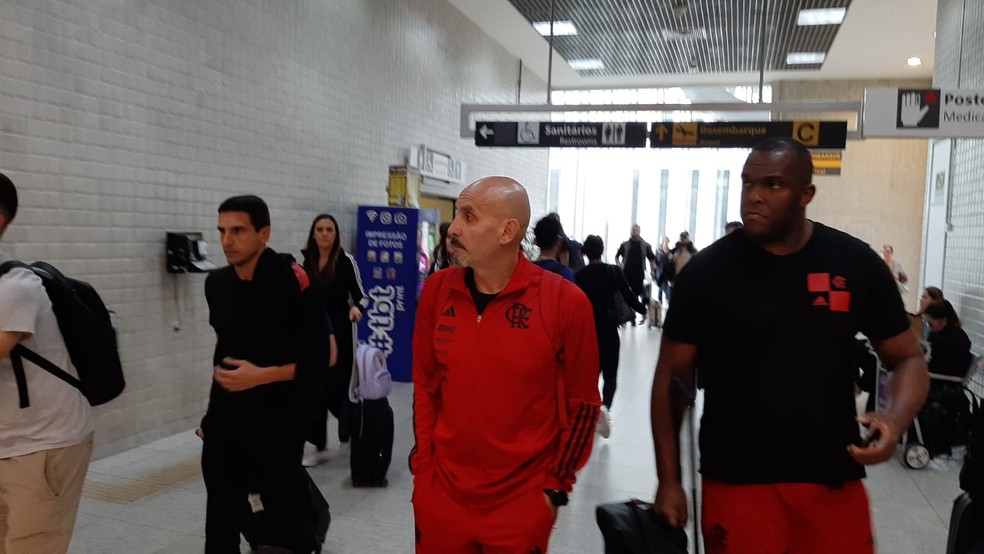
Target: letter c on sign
807, 132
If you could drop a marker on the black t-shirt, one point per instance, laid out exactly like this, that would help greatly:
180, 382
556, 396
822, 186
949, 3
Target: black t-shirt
600, 283
775, 349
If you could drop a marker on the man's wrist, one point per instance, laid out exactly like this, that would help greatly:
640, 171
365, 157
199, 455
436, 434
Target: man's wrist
557, 497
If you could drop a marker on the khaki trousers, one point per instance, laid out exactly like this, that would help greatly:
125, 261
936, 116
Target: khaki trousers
39, 497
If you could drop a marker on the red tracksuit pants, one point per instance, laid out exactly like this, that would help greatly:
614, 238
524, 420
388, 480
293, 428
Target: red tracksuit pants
793, 518
443, 526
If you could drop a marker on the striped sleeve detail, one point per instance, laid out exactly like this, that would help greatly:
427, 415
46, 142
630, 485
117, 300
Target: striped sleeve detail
578, 441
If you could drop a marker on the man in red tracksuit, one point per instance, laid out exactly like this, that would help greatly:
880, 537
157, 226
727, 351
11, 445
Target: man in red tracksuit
506, 386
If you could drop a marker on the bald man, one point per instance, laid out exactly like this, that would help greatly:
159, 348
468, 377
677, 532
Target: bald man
505, 371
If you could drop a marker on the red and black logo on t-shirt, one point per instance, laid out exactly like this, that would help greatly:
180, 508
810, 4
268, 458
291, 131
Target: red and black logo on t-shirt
829, 293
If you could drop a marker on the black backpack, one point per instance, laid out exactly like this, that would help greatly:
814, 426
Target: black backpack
89, 338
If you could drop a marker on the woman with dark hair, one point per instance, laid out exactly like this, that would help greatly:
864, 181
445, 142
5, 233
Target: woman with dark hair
949, 343
441, 257
337, 273
600, 282
929, 295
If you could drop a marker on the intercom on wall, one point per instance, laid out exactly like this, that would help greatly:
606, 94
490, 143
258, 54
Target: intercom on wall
187, 253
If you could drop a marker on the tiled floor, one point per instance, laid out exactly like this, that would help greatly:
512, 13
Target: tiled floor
151, 499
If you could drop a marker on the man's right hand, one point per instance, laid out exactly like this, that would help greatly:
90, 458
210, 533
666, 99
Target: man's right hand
671, 503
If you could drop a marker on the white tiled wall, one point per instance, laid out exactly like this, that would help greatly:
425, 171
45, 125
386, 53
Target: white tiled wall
121, 120
962, 65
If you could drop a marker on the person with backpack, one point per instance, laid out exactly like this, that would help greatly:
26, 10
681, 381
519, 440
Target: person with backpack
271, 348
337, 274
601, 282
505, 372
45, 446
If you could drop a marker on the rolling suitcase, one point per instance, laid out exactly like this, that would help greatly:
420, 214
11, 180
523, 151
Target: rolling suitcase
268, 524
372, 442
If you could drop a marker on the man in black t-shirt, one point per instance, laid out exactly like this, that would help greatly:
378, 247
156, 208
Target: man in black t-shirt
632, 256
268, 321
771, 312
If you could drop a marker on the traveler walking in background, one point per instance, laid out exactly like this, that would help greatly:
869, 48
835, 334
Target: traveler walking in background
601, 282
548, 235
338, 275
632, 256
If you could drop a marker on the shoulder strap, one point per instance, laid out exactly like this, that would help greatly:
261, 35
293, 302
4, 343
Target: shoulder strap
7, 266
17, 356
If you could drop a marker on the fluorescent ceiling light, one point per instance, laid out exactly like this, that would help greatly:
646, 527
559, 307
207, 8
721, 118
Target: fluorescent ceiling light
560, 28
586, 65
805, 58
825, 16
914, 61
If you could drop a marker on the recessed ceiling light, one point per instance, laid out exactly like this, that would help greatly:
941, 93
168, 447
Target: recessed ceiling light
586, 65
825, 16
559, 28
805, 58
914, 61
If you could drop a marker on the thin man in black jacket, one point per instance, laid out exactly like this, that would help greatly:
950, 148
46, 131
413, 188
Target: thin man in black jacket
264, 320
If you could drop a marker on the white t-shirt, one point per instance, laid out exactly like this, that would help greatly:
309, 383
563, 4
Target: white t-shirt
59, 415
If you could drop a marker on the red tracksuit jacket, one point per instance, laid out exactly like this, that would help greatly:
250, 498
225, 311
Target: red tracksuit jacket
499, 405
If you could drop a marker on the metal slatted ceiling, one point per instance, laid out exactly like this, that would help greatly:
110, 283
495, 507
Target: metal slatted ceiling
628, 35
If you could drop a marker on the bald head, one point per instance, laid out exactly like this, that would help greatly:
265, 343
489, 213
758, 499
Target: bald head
503, 197
493, 215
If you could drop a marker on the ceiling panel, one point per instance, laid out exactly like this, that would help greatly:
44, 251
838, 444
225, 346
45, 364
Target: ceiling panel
646, 37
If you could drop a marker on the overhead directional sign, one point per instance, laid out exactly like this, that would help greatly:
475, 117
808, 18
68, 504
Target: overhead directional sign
907, 113
826, 163
560, 134
745, 134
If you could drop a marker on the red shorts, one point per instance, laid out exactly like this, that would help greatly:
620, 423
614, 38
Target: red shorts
795, 518
443, 526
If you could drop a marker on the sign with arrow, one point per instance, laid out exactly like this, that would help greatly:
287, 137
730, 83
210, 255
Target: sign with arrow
560, 134
745, 134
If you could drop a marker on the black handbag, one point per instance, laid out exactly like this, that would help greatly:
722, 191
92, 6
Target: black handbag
618, 309
631, 528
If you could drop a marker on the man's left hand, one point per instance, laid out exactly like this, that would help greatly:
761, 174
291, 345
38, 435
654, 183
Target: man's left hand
883, 433
245, 375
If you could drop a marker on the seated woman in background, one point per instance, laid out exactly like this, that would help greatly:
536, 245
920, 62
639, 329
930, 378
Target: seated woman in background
929, 296
950, 344
946, 415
